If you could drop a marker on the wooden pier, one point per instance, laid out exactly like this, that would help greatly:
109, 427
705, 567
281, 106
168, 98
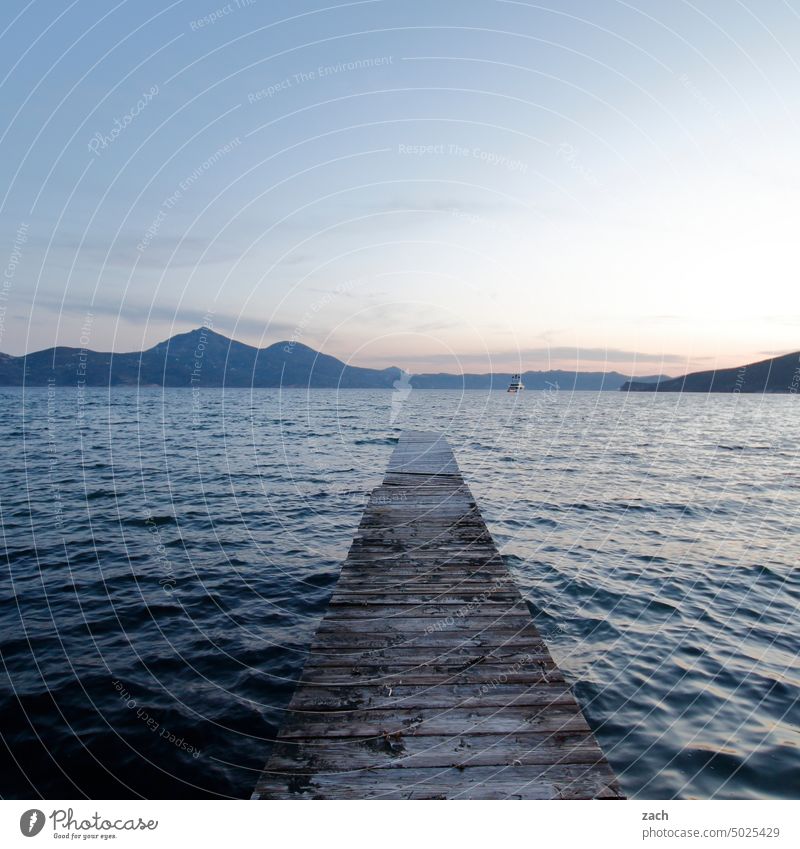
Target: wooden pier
427, 678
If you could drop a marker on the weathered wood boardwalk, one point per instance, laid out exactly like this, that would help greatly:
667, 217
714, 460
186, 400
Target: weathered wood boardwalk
427, 678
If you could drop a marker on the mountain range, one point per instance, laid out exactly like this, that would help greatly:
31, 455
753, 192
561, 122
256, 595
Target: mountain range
204, 358
775, 375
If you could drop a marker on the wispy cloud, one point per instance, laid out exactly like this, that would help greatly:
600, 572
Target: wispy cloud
791, 320
531, 356
171, 318
165, 251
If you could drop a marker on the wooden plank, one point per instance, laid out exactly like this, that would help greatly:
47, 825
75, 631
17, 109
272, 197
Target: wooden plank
366, 697
438, 674
505, 719
391, 637
426, 677
401, 752
413, 657
505, 782
473, 624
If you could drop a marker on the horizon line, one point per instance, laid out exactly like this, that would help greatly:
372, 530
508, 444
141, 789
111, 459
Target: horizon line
294, 343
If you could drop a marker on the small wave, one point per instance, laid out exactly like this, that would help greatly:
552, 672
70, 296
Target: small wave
99, 494
548, 625
655, 605
596, 628
543, 520
580, 505
649, 558
149, 521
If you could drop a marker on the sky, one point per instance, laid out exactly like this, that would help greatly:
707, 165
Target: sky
441, 186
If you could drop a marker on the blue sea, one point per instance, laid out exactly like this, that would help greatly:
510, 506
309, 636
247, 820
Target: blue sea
167, 556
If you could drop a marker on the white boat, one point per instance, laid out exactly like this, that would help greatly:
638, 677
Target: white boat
516, 384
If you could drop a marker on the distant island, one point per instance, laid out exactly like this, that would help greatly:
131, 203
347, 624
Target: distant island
205, 358
776, 375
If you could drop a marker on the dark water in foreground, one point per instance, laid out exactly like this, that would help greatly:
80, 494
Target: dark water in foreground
166, 560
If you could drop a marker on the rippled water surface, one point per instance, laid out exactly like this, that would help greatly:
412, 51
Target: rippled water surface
168, 557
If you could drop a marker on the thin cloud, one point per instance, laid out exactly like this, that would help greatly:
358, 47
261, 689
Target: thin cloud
179, 319
535, 355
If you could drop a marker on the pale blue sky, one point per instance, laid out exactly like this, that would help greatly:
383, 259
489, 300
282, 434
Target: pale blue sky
469, 185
